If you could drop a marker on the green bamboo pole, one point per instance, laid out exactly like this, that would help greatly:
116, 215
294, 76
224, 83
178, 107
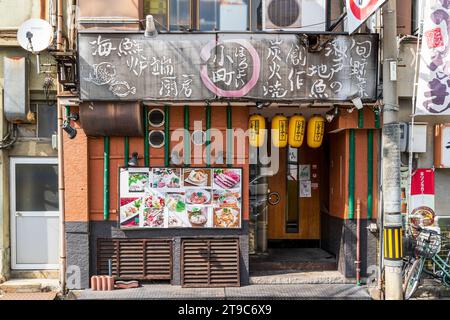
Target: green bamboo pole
360, 119
229, 136
208, 135
167, 136
146, 142
187, 140
370, 174
106, 141
351, 177
126, 151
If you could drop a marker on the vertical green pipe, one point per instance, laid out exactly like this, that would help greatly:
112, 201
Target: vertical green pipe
370, 174
208, 135
377, 119
229, 136
351, 177
106, 179
187, 140
126, 151
146, 142
360, 119
167, 136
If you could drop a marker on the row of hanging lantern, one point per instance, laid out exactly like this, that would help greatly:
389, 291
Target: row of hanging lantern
288, 131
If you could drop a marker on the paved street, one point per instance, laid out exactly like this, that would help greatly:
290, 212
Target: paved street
253, 292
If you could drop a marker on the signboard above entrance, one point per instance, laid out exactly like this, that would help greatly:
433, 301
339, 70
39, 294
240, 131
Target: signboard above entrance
199, 67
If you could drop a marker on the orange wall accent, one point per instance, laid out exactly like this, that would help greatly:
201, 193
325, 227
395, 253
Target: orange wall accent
76, 177
350, 120
339, 171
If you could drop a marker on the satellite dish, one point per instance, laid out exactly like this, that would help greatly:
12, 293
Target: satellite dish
35, 35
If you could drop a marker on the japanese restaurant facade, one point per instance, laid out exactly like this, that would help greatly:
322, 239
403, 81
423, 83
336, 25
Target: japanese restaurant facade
159, 179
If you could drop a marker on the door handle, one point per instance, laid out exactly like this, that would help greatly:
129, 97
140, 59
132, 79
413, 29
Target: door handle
18, 214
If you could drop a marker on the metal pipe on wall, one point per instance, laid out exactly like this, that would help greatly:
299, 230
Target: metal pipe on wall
126, 151
208, 135
187, 140
61, 199
351, 177
370, 174
358, 242
229, 136
106, 142
146, 139
59, 31
167, 136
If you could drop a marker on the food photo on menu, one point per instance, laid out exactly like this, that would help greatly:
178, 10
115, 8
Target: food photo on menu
129, 212
154, 213
137, 181
165, 178
197, 177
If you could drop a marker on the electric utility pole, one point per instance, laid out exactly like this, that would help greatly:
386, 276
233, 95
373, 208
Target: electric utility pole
392, 229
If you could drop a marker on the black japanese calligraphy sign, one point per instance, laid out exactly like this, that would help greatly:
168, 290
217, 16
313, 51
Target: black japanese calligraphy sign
192, 67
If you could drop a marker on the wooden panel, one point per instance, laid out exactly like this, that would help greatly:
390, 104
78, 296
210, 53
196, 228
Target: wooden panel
309, 208
138, 259
210, 263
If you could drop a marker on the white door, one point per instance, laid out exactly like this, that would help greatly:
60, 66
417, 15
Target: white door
34, 213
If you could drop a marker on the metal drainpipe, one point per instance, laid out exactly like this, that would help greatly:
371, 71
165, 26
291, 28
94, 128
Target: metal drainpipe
167, 136
208, 135
187, 140
59, 32
229, 136
146, 142
126, 151
351, 177
61, 198
106, 179
370, 174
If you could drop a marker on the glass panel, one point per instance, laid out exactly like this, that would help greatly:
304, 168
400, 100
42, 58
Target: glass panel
292, 214
47, 121
158, 9
37, 187
180, 15
225, 16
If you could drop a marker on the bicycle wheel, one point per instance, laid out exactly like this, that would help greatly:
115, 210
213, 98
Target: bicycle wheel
413, 278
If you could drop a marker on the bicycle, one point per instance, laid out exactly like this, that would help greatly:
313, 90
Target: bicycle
426, 248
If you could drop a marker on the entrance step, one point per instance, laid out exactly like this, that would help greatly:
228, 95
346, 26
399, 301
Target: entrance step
298, 259
295, 277
29, 286
38, 274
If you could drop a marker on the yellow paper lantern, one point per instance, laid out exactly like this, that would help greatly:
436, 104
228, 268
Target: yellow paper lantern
280, 131
257, 133
297, 127
316, 131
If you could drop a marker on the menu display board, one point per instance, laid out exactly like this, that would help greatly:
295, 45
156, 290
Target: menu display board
180, 198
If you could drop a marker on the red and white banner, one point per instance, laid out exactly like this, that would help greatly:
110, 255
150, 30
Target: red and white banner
358, 11
433, 97
422, 206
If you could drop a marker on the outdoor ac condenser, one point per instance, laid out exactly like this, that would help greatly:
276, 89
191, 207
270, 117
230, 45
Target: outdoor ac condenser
294, 15
16, 89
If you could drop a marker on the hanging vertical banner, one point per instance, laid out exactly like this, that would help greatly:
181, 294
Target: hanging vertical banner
358, 11
433, 95
422, 207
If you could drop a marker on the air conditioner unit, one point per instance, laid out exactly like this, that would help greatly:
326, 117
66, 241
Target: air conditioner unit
294, 15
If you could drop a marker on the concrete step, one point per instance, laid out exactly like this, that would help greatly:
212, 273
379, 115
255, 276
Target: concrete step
29, 286
35, 274
296, 277
292, 265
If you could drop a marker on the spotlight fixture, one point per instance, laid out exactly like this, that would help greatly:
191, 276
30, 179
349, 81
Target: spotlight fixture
134, 160
332, 114
262, 105
358, 103
72, 132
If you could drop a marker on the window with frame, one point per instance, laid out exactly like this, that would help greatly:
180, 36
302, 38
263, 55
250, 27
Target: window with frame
205, 15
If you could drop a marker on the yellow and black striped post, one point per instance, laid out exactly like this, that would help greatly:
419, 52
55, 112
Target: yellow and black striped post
393, 243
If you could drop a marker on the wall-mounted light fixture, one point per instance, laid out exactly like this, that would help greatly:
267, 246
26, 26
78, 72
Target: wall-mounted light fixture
71, 132
332, 114
134, 160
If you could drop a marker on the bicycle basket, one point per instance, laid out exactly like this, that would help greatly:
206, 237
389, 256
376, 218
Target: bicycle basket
427, 244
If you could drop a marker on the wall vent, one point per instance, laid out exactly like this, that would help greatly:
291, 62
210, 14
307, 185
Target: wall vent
137, 259
210, 263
